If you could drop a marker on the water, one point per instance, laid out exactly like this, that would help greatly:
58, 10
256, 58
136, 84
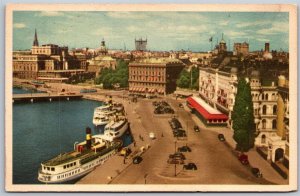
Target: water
24, 91
45, 129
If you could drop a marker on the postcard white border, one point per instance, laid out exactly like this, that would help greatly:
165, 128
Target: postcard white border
292, 9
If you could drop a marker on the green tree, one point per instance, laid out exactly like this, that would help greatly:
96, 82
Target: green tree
242, 117
108, 76
184, 79
195, 78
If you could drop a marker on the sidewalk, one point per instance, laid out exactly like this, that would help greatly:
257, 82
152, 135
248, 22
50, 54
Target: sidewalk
254, 158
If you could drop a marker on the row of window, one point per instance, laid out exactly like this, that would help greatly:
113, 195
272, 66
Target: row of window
146, 84
68, 174
69, 165
147, 78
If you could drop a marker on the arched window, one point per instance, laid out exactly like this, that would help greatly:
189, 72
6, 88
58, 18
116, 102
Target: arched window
274, 124
274, 109
262, 96
267, 97
263, 139
264, 124
264, 109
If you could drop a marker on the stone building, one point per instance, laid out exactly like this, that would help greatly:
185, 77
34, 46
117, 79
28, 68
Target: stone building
154, 75
140, 44
241, 49
45, 61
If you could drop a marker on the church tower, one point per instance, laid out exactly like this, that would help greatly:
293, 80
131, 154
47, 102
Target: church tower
35, 41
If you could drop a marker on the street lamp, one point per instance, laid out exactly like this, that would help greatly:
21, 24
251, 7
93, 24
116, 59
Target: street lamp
175, 160
145, 177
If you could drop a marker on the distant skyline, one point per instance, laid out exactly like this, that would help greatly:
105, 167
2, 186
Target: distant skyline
165, 31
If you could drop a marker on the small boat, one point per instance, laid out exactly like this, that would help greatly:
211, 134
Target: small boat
83, 159
86, 90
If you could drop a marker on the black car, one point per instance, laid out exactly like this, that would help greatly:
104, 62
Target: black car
221, 137
190, 166
177, 155
184, 149
256, 172
179, 133
137, 159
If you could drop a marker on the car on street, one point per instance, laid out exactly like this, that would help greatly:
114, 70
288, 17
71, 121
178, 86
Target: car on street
179, 133
137, 159
243, 158
190, 166
175, 124
184, 149
180, 105
221, 137
256, 172
177, 155
175, 161
196, 128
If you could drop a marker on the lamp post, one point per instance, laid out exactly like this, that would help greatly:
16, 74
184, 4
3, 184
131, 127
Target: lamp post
175, 160
145, 178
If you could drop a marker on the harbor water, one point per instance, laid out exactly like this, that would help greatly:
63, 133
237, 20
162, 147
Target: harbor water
45, 129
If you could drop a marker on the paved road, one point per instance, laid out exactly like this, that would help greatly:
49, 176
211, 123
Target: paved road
216, 162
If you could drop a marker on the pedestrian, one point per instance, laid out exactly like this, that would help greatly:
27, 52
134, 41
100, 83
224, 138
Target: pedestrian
134, 143
162, 134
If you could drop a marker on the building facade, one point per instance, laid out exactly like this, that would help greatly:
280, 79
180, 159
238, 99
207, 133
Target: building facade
241, 49
154, 75
44, 60
140, 44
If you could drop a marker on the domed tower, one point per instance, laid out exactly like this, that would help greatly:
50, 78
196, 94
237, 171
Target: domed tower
222, 45
103, 48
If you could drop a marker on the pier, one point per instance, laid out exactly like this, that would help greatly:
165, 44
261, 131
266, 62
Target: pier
38, 97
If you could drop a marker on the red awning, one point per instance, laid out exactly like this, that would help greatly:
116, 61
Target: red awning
208, 116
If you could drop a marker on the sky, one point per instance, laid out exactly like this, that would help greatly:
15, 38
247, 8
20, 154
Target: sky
164, 31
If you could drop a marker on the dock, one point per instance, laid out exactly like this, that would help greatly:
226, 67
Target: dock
38, 97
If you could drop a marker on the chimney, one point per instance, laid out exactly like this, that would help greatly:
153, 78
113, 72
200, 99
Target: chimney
88, 138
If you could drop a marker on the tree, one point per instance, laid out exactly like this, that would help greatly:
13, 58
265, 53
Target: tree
108, 76
243, 118
184, 79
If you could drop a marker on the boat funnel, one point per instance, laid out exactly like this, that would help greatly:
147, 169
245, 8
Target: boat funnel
88, 138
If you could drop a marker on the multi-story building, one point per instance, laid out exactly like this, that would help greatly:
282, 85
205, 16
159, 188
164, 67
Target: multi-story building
44, 61
140, 44
154, 75
241, 49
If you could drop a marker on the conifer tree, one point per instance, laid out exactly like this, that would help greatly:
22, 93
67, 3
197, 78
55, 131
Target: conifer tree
243, 118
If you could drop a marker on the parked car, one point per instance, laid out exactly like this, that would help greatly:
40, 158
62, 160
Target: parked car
221, 137
190, 166
180, 133
177, 155
175, 161
180, 105
184, 149
243, 158
137, 159
196, 128
256, 172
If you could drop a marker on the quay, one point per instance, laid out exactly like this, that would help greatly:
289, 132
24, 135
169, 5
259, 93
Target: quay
38, 97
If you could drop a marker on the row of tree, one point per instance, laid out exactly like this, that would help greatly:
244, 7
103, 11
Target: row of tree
189, 79
109, 77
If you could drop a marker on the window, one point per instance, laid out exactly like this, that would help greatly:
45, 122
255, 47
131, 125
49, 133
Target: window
264, 109
52, 169
264, 123
267, 97
263, 139
274, 109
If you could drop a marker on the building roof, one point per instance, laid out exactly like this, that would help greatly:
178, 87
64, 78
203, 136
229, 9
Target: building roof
157, 60
208, 112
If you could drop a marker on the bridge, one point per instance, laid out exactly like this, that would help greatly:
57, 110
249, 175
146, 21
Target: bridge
37, 97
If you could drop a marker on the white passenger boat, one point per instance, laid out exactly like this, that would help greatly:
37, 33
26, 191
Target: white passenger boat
115, 129
77, 163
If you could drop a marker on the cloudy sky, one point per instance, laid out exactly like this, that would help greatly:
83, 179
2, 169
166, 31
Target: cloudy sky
164, 30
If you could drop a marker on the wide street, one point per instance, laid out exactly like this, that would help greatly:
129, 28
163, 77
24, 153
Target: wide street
215, 160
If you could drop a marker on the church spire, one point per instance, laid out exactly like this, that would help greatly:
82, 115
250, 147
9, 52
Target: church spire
35, 41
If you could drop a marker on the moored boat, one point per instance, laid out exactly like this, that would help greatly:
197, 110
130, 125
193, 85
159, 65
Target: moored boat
83, 159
